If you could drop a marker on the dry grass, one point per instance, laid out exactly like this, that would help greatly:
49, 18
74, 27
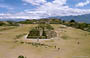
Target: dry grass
10, 48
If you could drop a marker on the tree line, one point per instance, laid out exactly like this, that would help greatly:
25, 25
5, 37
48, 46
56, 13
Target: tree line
71, 23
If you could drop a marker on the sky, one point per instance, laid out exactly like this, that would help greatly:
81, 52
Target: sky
36, 9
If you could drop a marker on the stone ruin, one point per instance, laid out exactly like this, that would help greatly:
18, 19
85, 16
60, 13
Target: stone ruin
42, 31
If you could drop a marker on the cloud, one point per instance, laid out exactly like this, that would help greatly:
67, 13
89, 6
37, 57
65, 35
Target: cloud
6, 6
37, 14
58, 8
81, 4
60, 2
35, 2
47, 9
20, 15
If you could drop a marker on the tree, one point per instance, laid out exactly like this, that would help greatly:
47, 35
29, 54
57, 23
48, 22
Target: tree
72, 20
83, 25
21, 56
1, 23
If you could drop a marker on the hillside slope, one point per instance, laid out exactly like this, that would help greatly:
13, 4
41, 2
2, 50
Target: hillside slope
65, 45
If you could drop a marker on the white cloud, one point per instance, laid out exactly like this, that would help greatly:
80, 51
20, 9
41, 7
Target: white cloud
6, 6
48, 9
57, 8
37, 14
60, 2
35, 2
21, 15
81, 4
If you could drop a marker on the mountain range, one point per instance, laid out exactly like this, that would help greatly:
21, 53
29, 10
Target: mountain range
80, 18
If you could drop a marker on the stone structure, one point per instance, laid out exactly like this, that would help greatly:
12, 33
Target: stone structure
42, 31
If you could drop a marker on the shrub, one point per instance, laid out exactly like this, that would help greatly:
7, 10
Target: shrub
12, 23
1, 23
21, 56
72, 20
19, 36
64, 37
47, 26
34, 32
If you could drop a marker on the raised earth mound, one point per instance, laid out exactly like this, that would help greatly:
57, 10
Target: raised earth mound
42, 31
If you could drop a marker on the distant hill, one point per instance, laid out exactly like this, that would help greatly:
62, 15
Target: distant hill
79, 18
12, 20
